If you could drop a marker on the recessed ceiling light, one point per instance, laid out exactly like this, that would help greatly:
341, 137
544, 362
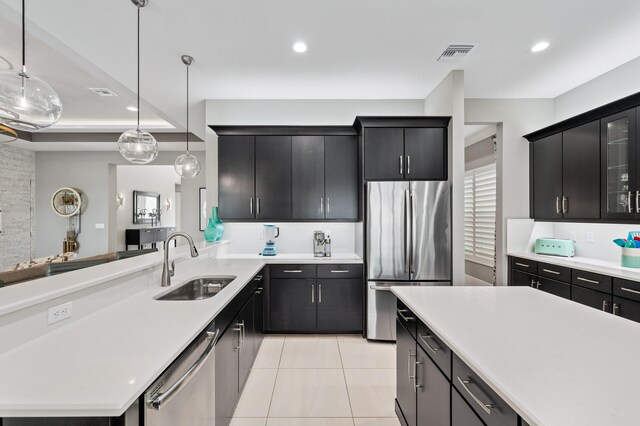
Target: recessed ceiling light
132, 108
539, 47
300, 47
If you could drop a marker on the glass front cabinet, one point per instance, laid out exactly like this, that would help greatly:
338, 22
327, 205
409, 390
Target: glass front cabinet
621, 192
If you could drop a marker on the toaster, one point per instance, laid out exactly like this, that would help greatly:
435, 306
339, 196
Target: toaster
555, 247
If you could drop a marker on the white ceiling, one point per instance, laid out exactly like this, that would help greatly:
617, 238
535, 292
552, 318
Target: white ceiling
358, 49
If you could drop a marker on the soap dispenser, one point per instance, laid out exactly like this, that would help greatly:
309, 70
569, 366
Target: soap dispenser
327, 246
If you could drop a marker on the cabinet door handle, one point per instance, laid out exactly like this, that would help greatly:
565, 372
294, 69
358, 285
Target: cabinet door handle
637, 201
405, 318
409, 365
486, 407
533, 282
258, 205
629, 202
558, 205
588, 280
628, 290
615, 309
605, 304
328, 207
401, 168
551, 271
319, 293
238, 328
565, 203
538, 285
416, 386
524, 265
408, 164
251, 206
426, 336
313, 293
321, 206
292, 271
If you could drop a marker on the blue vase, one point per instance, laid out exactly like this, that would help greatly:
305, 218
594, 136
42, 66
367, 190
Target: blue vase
210, 232
215, 216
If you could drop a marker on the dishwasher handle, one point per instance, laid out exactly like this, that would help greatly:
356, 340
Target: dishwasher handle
158, 401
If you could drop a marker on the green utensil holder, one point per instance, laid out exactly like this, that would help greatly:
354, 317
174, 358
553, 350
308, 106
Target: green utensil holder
630, 257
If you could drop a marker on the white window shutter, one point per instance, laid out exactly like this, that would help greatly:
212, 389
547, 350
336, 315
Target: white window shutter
480, 215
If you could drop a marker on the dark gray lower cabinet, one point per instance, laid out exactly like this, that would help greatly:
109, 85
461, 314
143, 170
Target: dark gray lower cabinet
519, 278
461, 413
595, 299
626, 308
405, 367
246, 353
433, 396
227, 367
292, 305
339, 305
555, 287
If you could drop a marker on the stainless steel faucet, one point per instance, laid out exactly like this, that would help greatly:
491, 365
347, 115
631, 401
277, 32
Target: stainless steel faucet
169, 271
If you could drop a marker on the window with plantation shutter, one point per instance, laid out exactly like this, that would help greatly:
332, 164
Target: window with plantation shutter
480, 215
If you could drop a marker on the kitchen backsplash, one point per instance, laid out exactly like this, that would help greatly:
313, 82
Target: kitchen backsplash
294, 237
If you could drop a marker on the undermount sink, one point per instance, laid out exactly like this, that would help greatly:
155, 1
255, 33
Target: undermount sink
198, 288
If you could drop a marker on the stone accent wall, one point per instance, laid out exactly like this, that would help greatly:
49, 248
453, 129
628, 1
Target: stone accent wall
17, 197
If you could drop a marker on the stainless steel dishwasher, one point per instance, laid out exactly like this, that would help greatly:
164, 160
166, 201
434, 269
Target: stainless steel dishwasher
185, 393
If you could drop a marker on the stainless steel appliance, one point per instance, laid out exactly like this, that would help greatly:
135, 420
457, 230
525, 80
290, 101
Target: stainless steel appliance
318, 244
185, 392
408, 233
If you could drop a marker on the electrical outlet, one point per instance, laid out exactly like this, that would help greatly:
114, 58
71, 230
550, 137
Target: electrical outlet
261, 235
58, 313
573, 236
589, 237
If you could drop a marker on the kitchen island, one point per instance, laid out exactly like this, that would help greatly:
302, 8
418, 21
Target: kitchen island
522, 356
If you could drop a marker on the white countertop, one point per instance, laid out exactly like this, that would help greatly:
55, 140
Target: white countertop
555, 362
98, 365
597, 266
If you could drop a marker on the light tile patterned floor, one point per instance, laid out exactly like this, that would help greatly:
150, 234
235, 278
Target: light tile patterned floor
300, 380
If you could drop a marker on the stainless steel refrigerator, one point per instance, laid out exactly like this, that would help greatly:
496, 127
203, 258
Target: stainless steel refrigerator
408, 238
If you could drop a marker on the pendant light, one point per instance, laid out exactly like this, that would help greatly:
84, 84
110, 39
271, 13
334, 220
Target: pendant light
135, 145
187, 165
26, 102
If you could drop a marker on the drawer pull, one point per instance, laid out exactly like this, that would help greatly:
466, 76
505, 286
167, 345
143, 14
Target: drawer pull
293, 271
615, 309
551, 271
630, 290
426, 336
405, 318
586, 280
379, 288
340, 271
486, 407
524, 265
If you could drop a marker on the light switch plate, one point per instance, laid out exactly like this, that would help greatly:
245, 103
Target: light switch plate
589, 237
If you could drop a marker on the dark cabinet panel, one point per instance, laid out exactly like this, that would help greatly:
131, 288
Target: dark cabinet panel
346, 270
433, 393
292, 305
273, 177
525, 265
435, 347
461, 413
383, 154
425, 152
307, 170
626, 308
547, 178
340, 305
292, 271
341, 177
590, 280
405, 373
581, 171
258, 315
595, 299
554, 287
227, 374
555, 272
627, 289
619, 165
236, 181
519, 278
245, 320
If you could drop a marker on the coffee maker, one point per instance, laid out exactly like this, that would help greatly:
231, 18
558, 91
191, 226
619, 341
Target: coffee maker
318, 243
271, 232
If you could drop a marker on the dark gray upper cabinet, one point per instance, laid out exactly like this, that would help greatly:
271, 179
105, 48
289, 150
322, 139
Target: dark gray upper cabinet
425, 152
341, 177
384, 154
546, 175
581, 171
619, 169
308, 177
236, 181
273, 177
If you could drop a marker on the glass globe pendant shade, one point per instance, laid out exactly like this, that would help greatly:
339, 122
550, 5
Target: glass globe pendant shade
26, 102
138, 146
187, 166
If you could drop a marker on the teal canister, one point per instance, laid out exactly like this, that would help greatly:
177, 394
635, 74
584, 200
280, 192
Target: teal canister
210, 232
215, 216
630, 257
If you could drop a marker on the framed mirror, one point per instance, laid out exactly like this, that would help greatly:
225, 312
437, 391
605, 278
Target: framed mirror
146, 207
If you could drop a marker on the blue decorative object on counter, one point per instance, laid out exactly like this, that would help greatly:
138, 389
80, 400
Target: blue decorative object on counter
211, 231
215, 215
630, 258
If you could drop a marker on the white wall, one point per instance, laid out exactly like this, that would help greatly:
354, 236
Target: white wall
611, 86
514, 118
159, 179
448, 99
293, 112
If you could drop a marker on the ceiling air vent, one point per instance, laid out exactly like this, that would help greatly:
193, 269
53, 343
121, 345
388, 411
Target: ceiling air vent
456, 52
101, 91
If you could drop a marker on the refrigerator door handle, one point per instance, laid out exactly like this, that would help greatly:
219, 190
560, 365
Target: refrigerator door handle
407, 231
412, 260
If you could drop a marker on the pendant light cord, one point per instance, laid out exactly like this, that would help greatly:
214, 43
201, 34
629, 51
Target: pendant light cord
187, 109
138, 67
24, 54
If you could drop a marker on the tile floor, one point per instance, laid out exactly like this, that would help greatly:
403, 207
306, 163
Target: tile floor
300, 380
